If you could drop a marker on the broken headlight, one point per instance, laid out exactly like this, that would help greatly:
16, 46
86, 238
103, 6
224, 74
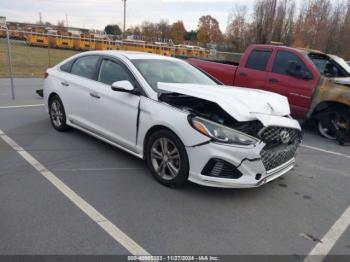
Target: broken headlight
221, 133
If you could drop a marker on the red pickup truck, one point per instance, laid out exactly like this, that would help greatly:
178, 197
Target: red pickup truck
317, 85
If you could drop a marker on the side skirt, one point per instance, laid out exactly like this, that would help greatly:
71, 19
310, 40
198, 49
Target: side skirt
104, 139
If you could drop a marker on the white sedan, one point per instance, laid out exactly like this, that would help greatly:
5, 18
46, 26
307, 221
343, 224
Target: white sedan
181, 121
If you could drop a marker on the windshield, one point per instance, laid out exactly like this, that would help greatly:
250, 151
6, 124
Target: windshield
340, 61
330, 65
170, 71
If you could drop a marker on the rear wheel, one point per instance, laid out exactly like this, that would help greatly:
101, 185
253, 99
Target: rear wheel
336, 124
57, 114
167, 158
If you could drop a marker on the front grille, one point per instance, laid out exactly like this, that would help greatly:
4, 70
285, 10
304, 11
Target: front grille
279, 149
281, 142
220, 168
272, 136
275, 158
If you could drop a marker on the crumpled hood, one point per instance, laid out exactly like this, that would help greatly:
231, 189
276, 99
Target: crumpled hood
244, 104
342, 80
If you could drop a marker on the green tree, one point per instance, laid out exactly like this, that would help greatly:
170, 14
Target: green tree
113, 30
191, 36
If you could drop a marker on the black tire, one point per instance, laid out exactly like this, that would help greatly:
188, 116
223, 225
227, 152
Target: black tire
57, 114
343, 128
324, 131
335, 125
170, 162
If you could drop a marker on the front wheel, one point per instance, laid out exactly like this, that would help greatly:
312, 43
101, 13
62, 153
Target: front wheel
335, 125
167, 158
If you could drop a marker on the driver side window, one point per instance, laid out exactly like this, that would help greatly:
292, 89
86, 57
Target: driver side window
111, 72
282, 61
331, 70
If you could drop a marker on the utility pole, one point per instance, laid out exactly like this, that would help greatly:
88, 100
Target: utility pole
40, 18
67, 21
124, 32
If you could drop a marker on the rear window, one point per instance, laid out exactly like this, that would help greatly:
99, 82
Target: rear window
258, 60
67, 66
85, 66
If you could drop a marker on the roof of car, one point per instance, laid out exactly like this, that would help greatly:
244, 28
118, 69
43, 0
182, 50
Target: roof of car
300, 49
309, 50
130, 54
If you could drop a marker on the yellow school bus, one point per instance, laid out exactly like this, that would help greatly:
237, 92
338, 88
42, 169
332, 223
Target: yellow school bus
104, 44
86, 42
180, 50
134, 45
38, 38
15, 31
64, 40
2, 33
164, 49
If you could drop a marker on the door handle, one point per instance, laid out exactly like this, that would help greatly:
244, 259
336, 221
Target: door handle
273, 80
242, 74
64, 84
95, 95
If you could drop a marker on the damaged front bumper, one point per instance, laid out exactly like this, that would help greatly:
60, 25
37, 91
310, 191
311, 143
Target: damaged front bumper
249, 166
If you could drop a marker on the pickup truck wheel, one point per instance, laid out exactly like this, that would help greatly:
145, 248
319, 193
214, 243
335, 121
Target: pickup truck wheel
167, 158
337, 124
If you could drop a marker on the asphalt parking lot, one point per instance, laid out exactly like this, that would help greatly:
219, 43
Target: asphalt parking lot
289, 216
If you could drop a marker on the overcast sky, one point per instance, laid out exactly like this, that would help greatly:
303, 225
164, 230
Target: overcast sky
97, 13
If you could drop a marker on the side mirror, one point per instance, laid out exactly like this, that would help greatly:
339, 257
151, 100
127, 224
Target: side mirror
124, 86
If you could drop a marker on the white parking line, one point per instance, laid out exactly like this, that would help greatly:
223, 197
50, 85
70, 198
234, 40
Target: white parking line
322, 249
21, 106
325, 151
98, 169
88, 209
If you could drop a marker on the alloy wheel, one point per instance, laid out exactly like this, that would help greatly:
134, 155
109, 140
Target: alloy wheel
57, 113
165, 158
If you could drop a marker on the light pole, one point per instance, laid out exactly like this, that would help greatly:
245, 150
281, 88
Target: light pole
9, 53
124, 1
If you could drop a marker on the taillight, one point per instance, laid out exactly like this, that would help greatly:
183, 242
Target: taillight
46, 75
